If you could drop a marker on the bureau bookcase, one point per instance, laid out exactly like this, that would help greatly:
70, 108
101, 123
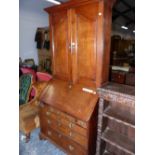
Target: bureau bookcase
80, 46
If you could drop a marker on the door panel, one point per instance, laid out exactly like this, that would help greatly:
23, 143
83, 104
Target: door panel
60, 44
86, 24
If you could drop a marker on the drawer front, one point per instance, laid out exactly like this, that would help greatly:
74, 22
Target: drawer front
67, 124
67, 144
58, 126
56, 114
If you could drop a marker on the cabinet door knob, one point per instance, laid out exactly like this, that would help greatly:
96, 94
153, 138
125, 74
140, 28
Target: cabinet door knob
71, 148
47, 113
48, 121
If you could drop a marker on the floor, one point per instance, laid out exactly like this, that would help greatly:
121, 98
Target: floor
36, 146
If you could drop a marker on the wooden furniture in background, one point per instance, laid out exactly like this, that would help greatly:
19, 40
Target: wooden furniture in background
116, 120
80, 41
122, 51
44, 54
118, 77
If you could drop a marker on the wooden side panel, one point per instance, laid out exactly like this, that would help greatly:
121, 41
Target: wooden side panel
85, 23
107, 39
60, 45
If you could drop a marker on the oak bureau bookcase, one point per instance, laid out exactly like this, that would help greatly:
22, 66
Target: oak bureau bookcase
80, 46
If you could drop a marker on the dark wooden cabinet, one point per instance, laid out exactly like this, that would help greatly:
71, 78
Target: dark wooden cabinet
118, 77
80, 47
116, 120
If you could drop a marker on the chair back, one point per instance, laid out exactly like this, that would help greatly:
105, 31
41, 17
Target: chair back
43, 76
29, 71
24, 88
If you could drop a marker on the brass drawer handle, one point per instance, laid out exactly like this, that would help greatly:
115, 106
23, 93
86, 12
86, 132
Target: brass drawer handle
48, 121
71, 148
49, 133
70, 125
58, 112
81, 123
70, 134
48, 113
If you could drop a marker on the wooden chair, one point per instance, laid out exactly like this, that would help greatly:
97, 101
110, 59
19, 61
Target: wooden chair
28, 112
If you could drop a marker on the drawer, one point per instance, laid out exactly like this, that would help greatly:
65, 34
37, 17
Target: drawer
56, 114
67, 144
58, 126
70, 125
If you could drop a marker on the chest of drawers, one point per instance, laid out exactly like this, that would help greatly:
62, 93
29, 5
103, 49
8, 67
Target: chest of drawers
63, 121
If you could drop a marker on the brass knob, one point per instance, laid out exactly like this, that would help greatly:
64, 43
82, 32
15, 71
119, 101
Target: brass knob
58, 112
70, 125
70, 134
71, 148
48, 121
47, 113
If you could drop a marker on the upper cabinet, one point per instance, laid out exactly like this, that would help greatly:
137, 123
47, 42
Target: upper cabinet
80, 41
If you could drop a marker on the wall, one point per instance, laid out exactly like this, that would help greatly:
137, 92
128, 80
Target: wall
29, 20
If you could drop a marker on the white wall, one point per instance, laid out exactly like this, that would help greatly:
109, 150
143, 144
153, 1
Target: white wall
29, 20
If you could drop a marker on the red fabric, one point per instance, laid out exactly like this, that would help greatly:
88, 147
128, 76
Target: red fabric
29, 70
43, 76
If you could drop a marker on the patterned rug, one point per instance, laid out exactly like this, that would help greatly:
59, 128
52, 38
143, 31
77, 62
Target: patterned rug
36, 146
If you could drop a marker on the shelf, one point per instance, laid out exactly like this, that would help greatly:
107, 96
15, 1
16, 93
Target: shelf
119, 116
119, 141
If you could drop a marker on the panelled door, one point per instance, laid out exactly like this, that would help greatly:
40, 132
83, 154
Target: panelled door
84, 43
75, 44
59, 43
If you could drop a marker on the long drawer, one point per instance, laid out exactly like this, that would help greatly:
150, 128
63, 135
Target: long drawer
58, 126
53, 119
67, 144
58, 115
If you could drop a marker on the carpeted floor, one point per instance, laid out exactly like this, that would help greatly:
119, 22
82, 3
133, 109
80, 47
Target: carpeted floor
36, 146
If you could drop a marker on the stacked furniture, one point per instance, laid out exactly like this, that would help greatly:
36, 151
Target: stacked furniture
80, 47
116, 120
44, 53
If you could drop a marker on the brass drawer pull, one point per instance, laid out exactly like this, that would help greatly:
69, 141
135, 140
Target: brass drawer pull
48, 113
48, 121
58, 112
70, 134
71, 148
49, 133
70, 125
